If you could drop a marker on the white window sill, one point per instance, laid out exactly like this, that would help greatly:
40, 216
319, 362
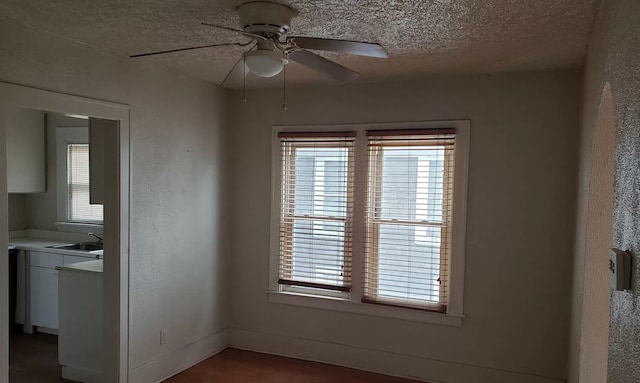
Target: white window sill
79, 227
338, 304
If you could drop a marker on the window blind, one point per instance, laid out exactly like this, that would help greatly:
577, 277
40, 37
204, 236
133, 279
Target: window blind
78, 207
408, 221
316, 210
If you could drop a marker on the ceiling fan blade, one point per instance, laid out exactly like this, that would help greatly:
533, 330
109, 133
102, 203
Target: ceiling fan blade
189, 49
252, 35
322, 65
342, 46
236, 73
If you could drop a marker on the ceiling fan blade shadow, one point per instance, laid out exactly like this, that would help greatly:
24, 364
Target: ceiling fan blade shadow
236, 73
343, 46
189, 49
322, 65
252, 35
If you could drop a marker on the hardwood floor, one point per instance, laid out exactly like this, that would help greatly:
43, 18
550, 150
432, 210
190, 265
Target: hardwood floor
236, 366
34, 359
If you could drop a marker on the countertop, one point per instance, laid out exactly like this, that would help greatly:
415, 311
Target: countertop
37, 244
88, 267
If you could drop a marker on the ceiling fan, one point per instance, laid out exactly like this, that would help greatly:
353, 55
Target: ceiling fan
270, 47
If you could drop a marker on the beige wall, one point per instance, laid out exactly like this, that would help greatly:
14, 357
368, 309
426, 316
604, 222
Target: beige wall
178, 217
18, 212
520, 228
613, 59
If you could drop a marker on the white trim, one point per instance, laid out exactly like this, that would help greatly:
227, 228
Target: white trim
455, 306
377, 361
117, 264
181, 359
346, 305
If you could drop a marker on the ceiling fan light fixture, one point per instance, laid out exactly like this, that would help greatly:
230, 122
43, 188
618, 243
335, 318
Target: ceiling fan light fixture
266, 63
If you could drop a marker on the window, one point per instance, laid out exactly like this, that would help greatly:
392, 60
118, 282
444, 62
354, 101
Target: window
316, 213
374, 217
79, 209
74, 204
408, 217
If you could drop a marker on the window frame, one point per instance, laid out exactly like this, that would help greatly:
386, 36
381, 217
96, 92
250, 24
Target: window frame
64, 137
351, 302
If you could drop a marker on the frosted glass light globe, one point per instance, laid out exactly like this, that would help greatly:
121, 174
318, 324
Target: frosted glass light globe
266, 63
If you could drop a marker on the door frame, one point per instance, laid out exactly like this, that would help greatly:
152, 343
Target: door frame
116, 264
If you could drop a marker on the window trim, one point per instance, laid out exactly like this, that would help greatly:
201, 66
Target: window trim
351, 302
65, 136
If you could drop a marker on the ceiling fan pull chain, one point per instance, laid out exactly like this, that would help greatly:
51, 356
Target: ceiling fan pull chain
284, 88
244, 77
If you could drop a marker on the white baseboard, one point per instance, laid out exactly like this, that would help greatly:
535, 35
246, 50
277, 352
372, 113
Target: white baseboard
81, 375
179, 360
427, 370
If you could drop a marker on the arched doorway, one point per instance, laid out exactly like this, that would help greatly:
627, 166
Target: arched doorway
599, 226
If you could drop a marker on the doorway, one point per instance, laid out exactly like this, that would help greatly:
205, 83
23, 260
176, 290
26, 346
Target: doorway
599, 236
115, 120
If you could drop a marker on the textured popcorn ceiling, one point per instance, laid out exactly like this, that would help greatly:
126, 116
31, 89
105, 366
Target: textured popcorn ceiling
422, 37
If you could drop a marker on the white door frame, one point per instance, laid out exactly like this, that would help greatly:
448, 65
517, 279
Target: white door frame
116, 262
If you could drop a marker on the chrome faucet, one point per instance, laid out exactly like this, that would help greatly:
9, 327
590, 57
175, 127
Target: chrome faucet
100, 239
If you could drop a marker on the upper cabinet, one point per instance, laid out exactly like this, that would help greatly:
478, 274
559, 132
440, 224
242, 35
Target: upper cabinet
96, 159
25, 150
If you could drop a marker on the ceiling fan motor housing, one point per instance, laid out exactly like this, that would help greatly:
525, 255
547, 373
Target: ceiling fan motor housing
263, 18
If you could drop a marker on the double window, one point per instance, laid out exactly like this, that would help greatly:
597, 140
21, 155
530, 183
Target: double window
368, 215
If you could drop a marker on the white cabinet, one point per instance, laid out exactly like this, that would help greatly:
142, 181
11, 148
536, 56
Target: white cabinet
25, 150
80, 338
44, 297
43, 286
71, 259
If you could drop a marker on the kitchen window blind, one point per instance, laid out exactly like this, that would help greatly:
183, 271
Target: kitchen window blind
78, 207
316, 209
408, 219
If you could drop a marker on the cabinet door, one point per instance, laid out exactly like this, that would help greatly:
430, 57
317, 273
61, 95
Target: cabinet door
25, 150
44, 297
96, 158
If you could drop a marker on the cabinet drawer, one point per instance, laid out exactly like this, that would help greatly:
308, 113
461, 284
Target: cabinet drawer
69, 259
48, 260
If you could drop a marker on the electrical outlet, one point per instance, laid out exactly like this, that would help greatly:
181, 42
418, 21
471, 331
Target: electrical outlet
163, 336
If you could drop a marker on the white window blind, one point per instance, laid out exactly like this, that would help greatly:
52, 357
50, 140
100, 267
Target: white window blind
316, 210
408, 220
78, 207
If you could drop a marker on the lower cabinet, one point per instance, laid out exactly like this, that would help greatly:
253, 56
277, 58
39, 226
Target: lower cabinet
43, 286
44, 297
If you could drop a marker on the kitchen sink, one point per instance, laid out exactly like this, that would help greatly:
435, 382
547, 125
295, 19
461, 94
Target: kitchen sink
82, 246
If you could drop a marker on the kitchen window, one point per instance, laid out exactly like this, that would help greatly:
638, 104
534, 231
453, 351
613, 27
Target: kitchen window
79, 207
74, 207
371, 219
